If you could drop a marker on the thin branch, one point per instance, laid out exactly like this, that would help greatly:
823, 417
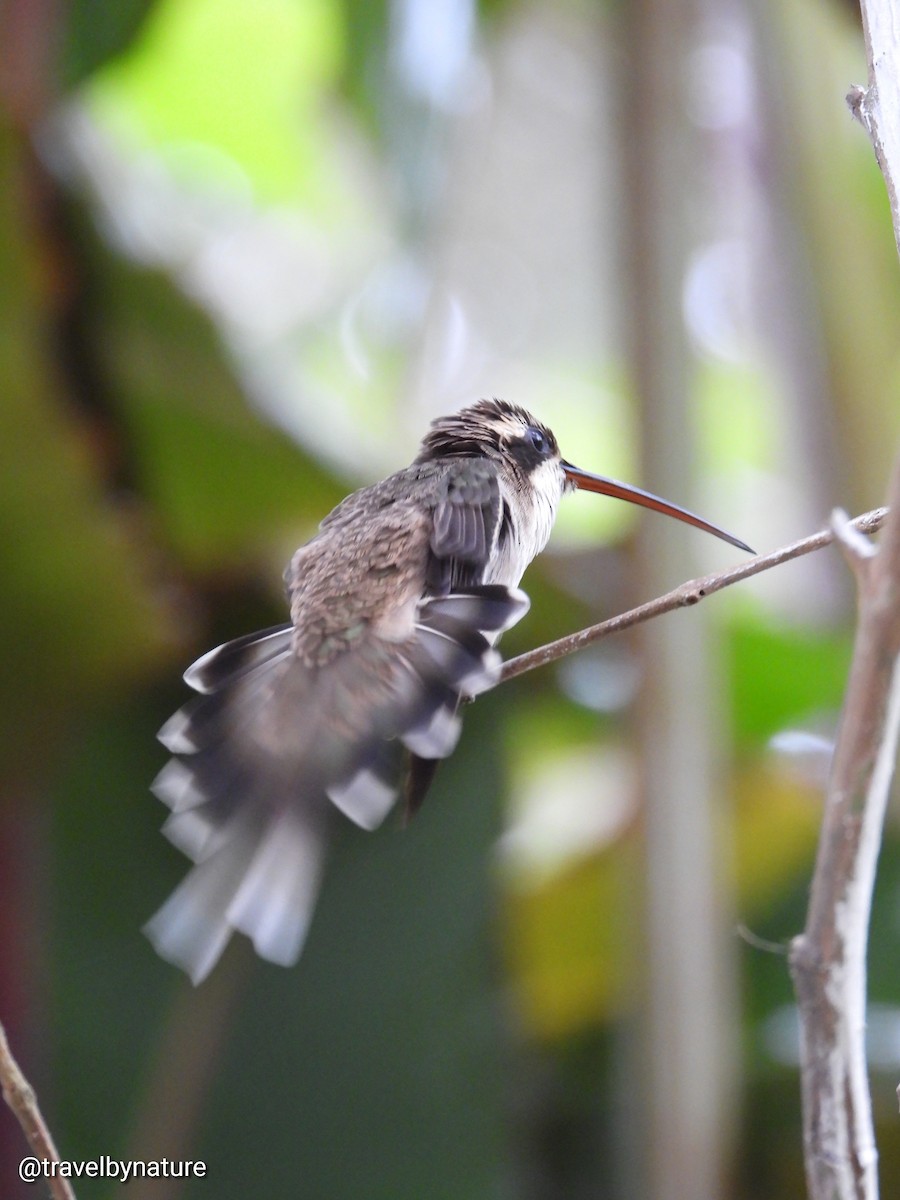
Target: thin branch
684, 596
19, 1095
877, 106
828, 961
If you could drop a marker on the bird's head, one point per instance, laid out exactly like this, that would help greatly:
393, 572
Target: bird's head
528, 455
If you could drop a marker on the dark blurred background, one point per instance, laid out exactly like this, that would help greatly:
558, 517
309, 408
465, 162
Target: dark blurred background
247, 252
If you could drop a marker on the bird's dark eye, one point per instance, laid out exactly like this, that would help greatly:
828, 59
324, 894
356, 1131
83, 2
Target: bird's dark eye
537, 439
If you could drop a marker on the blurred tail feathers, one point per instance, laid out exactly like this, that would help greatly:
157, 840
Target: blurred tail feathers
273, 744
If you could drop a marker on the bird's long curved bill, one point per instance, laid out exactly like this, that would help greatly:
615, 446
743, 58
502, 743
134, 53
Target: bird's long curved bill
635, 495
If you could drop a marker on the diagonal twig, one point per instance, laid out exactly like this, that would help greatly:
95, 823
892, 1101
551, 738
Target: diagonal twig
684, 596
19, 1095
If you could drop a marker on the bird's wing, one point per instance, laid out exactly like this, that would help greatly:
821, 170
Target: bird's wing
456, 500
465, 522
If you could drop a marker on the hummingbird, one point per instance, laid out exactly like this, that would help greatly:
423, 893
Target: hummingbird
396, 605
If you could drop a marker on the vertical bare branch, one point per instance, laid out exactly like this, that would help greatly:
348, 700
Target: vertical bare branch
828, 961
877, 106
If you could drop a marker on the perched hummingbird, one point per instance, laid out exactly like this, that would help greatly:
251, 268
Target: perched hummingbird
395, 607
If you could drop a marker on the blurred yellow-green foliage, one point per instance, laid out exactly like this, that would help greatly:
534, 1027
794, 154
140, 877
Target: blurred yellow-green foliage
247, 252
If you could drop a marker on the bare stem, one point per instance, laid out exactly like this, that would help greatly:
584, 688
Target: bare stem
684, 596
19, 1095
828, 961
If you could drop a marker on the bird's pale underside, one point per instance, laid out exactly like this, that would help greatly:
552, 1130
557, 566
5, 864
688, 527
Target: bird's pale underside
395, 606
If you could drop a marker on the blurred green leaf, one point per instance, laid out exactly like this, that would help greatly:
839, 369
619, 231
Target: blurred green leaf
567, 945
81, 614
365, 64
227, 487
784, 675
242, 81
776, 827
95, 31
